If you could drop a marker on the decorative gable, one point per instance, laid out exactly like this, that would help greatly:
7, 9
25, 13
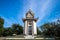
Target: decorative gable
29, 15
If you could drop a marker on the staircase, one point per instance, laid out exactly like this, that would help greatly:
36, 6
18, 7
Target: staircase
29, 37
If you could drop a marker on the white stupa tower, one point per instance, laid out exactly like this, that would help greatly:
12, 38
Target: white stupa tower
30, 24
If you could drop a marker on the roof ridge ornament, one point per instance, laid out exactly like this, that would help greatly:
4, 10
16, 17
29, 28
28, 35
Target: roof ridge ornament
30, 9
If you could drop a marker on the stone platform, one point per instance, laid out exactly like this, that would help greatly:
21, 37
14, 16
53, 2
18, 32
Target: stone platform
29, 37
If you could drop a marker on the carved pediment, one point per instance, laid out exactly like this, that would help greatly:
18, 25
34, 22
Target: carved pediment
29, 14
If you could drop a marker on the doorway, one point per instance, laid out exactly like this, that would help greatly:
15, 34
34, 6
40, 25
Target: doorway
30, 30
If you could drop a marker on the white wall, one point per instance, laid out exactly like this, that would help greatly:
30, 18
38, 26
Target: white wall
35, 28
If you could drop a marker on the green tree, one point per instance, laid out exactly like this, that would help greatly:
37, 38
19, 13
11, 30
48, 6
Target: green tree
17, 29
48, 29
57, 29
51, 29
38, 31
1, 26
8, 31
20, 29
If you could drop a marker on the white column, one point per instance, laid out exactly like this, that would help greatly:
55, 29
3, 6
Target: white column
35, 28
25, 29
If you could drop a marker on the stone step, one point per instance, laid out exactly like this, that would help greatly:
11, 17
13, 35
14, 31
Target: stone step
29, 37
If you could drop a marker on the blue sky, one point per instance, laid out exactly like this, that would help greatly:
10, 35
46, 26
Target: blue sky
14, 10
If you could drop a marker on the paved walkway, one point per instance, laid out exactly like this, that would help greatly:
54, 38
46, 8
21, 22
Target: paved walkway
27, 38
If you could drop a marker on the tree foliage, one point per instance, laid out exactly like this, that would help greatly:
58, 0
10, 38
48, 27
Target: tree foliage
38, 31
51, 29
17, 29
1, 26
14, 29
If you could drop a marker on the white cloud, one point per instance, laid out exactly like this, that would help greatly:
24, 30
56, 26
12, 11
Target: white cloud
33, 4
42, 12
39, 6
